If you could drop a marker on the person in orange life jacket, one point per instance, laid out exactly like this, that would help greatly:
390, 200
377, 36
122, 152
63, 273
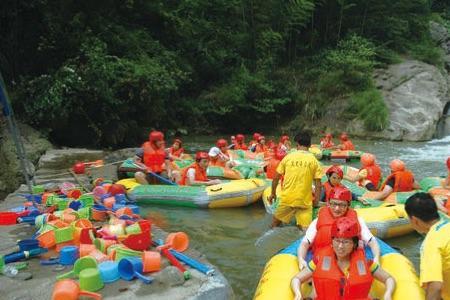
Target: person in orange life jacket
196, 173
400, 180
253, 142
176, 151
261, 146
327, 141
155, 159
219, 155
284, 144
232, 144
369, 175
240, 142
271, 167
341, 271
443, 202
317, 235
346, 143
335, 175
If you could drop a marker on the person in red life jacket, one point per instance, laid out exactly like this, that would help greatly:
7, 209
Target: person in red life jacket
342, 271
176, 151
261, 146
400, 180
317, 235
252, 144
219, 155
369, 174
271, 167
240, 142
284, 144
196, 173
335, 175
346, 143
327, 141
156, 159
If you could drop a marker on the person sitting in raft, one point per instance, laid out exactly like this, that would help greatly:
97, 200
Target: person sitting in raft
317, 235
400, 180
435, 249
271, 167
132, 165
196, 173
219, 155
369, 174
346, 143
284, 144
176, 151
240, 142
232, 144
254, 142
341, 270
156, 159
334, 175
261, 146
327, 141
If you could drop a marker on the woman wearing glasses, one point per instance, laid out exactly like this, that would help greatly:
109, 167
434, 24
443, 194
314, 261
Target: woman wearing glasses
318, 234
341, 270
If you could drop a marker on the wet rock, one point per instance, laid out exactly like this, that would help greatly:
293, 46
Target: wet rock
170, 276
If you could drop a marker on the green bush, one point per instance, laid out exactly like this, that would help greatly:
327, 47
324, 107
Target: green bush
427, 51
369, 107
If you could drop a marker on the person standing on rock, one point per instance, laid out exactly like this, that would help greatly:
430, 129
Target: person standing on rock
435, 250
299, 170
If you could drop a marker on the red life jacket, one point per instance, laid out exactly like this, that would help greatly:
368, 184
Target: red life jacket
200, 174
327, 185
324, 143
324, 221
242, 146
373, 174
154, 158
271, 168
348, 145
176, 153
331, 283
404, 181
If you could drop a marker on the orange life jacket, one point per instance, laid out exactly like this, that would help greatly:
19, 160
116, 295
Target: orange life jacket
217, 161
324, 221
271, 168
404, 181
324, 143
200, 174
261, 148
242, 146
154, 158
332, 284
348, 145
327, 186
373, 174
176, 153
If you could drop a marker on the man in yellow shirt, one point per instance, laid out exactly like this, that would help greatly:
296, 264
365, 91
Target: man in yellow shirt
435, 249
299, 170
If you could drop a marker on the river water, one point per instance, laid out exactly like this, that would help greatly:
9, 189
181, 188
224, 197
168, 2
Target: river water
239, 241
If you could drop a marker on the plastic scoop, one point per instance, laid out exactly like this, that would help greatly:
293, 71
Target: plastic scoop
80, 264
69, 289
67, 256
131, 267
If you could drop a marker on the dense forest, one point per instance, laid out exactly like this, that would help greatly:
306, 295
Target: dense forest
102, 73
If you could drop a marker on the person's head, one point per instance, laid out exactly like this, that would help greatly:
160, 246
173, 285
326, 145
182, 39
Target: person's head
397, 165
202, 159
335, 175
328, 136
256, 136
448, 163
240, 138
156, 138
139, 154
233, 139
262, 140
284, 139
367, 159
303, 139
177, 144
345, 236
422, 211
339, 201
222, 144
344, 137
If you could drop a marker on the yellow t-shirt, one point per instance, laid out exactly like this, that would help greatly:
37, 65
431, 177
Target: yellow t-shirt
299, 169
435, 257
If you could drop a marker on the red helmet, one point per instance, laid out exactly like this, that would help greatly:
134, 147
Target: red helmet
256, 136
156, 136
240, 137
221, 143
328, 136
341, 193
345, 227
260, 138
284, 138
335, 169
448, 162
367, 159
344, 136
178, 141
397, 165
201, 155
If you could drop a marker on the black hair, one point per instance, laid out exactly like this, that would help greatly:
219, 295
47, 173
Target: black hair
422, 206
355, 240
303, 138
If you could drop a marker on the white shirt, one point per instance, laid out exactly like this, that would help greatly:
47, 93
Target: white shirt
366, 235
191, 175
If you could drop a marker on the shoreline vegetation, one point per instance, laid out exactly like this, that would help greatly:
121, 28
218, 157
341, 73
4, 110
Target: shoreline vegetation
102, 74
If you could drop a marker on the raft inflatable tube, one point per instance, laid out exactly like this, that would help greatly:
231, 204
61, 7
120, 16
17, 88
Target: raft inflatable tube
235, 193
242, 171
246, 154
276, 278
384, 220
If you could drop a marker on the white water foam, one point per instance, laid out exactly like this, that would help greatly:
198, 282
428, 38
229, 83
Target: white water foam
436, 150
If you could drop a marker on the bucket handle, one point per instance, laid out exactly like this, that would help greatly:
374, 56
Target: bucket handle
216, 190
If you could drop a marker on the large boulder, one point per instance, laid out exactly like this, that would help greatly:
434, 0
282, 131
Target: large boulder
415, 94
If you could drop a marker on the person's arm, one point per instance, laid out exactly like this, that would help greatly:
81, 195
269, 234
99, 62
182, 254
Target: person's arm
297, 281
275, 181
387, 190
433, 290
306, 242
370, 240
416, 186
388, 280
